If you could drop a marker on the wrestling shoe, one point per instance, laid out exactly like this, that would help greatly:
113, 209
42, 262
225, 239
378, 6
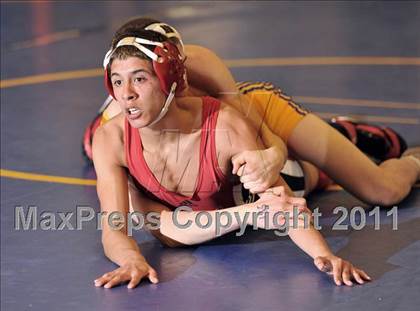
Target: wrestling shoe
380, 143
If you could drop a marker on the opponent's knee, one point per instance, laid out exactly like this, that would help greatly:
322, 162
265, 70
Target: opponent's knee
386, 192
389, 197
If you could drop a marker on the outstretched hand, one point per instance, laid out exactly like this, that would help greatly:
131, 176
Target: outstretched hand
342, 270
133, 272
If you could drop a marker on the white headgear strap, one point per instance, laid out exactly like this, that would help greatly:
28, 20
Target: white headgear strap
133, 41
166, 30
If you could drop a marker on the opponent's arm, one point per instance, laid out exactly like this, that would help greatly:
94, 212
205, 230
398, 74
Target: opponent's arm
208, 72
260, 167
113, 196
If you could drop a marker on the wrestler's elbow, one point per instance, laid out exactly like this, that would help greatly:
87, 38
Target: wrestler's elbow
167, 241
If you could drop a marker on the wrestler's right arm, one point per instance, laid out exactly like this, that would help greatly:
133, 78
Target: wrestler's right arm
113, 196
112, 188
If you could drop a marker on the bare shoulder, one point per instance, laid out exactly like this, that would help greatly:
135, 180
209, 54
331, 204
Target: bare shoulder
231, 119
111, 132
108, 140
235, 130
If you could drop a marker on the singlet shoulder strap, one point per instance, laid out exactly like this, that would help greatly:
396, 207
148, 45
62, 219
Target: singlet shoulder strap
211, 174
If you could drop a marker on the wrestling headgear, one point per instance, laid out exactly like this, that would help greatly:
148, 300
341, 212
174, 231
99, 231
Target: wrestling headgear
168, 31
168, 62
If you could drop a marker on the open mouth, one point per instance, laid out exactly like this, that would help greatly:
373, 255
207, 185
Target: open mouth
132, 111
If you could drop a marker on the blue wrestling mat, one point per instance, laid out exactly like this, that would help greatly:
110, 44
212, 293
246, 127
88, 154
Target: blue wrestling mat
351, 58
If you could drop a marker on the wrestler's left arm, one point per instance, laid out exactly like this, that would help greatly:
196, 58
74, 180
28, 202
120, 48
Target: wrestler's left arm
240, 138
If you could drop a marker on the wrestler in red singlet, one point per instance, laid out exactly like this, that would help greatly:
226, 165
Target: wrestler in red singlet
213, 190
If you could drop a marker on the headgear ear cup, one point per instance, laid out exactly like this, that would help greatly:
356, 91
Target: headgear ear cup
108, 84
170, 68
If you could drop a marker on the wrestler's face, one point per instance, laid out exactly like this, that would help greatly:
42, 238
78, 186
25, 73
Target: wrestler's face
137, 90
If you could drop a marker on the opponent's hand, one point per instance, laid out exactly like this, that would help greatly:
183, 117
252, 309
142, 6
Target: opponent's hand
258, 169
274, 203
133, 272
342, 270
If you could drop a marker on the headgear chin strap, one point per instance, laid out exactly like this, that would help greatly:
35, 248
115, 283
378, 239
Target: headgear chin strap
165, 107
167, 64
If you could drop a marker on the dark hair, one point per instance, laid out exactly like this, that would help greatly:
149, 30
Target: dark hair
135, 28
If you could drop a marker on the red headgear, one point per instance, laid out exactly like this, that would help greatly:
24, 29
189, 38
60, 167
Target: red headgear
168, 64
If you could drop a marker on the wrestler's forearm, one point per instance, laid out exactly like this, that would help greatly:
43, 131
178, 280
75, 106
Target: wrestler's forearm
196, 233
119, 247
310, 241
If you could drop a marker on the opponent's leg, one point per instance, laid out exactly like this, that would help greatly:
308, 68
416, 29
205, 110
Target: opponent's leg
315, 141
311, 173
112, 109
108, 110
